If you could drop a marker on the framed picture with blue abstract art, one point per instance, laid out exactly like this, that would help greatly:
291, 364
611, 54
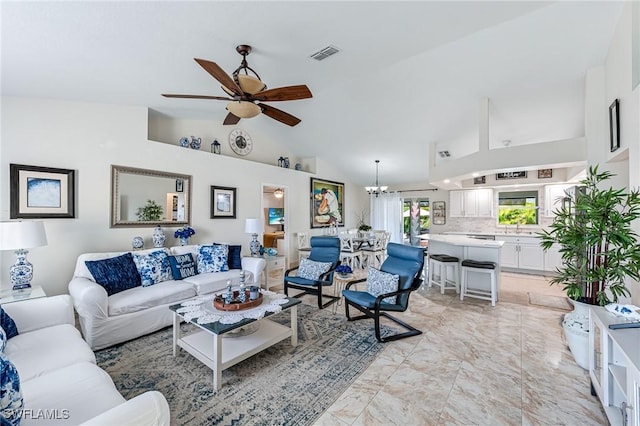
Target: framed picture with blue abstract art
41, 192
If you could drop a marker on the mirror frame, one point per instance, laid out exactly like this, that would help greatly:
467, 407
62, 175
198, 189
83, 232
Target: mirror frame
115, 197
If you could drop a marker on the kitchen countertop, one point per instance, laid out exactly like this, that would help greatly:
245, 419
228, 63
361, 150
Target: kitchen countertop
462, 240
496, 234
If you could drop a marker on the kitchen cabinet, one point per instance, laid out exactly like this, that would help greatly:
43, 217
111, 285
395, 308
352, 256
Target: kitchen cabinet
471, 203
521, 253
614, 367
552, 194
552, 258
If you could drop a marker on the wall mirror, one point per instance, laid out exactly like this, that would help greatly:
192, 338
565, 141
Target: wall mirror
147, 198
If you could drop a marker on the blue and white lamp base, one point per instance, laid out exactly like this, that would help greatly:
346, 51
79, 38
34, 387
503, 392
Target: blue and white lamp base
254, 245
21, 272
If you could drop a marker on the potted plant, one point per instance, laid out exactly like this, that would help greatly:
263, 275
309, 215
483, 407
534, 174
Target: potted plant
599, 250
363, 228
151, 211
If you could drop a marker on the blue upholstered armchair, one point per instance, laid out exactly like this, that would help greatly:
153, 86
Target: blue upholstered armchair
400, 273
316, 271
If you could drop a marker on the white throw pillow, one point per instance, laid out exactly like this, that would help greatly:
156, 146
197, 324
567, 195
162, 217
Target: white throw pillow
311, 270
379, 282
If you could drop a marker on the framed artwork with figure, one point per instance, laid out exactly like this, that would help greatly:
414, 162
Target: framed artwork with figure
327, 203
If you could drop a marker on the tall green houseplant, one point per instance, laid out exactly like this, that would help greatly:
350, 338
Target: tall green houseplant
599, 248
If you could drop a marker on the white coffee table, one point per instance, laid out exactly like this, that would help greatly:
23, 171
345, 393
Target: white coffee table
208, 346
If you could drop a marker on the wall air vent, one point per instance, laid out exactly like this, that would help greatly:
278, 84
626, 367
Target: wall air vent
444, 154
324, 53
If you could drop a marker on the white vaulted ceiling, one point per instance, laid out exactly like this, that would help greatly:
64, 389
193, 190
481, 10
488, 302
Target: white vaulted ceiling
409, 74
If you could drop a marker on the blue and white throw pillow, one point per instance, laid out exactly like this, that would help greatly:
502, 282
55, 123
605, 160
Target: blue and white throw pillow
379, 282
212, 259
183, 266
153, 267
3, 340
115, 274
311, 270
8, 324
11, 403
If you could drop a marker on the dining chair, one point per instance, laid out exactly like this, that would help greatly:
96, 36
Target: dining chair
316, 271
304, 246
349, 253
374, 254
388, 290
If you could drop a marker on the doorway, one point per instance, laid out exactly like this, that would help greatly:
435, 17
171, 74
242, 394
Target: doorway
416, 219
275, 209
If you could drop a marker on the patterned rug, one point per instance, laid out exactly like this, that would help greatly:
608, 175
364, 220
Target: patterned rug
282, 385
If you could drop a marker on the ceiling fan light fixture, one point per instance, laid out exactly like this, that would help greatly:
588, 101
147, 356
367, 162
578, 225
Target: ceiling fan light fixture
250, 84
243, 109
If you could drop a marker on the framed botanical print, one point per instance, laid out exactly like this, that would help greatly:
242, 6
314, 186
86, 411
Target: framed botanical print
41, 192
327, 203
223, 202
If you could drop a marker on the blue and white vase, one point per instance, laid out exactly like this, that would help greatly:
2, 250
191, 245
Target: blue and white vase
184, 241
137, 243
196, 142
158, 237
184, 142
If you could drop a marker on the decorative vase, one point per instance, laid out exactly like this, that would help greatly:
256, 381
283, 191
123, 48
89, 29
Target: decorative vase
298, 166
137, 243
184, 241
285, 162
576, 332
184, 142
195, 142
158, 237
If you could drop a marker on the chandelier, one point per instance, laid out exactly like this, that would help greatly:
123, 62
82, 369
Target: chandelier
376, 189
278, 193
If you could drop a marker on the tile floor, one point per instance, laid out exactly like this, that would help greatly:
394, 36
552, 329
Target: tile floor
473, 365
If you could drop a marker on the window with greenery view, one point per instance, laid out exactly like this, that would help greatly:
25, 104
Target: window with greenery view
518, 208
418, 210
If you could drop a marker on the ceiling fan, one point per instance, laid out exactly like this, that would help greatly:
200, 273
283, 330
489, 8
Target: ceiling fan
246, 92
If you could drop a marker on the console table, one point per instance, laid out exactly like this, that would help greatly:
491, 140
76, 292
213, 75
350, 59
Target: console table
274, 263
614, 367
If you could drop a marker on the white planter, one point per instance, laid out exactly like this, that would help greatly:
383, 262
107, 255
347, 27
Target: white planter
576, 333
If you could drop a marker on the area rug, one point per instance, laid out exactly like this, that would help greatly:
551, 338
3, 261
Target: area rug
548, 301
282, 385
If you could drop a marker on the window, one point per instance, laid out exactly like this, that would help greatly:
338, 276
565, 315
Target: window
518, 208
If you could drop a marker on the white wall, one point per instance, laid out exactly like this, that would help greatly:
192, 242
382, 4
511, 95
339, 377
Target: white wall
89, 138
616, 82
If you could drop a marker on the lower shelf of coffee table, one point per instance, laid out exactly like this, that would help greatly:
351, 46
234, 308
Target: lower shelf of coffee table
201, 343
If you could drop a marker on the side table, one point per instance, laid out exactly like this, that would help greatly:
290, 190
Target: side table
10, 296
274, 264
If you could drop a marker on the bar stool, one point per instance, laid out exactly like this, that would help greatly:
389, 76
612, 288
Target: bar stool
442, 262
476, 266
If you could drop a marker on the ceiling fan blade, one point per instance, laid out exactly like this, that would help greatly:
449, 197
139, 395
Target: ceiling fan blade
231, 119
169, 95
288, 93
219, 74
279, 115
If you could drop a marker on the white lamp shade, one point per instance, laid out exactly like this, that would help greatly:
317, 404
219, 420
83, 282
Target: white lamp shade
253, 226
22, 235
243, 109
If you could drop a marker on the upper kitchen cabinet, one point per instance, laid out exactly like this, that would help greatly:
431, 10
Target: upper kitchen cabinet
553, 195
471, 203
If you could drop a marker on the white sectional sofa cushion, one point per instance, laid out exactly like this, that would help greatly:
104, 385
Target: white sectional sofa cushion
106, 320
59, 379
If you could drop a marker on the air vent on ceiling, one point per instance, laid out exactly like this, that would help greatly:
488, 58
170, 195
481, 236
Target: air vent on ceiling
325, 53
444, 154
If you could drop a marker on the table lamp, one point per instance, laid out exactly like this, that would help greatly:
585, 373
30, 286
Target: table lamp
20, 236
253, 226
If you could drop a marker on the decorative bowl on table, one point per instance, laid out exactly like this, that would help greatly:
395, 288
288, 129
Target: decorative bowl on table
343, 271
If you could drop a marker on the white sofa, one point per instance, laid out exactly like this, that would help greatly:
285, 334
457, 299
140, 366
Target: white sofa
107, 320
59, 379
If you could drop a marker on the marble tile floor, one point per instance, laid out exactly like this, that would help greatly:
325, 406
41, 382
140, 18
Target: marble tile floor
473, 365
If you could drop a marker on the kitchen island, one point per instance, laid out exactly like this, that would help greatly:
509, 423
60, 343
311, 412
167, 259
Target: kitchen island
463, 248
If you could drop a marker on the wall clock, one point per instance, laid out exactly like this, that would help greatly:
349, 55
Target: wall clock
240, 142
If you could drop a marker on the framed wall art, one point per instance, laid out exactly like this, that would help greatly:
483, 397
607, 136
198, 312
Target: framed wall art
223, 202
327, 203
41, 192
545, 173
439, 212
614, 125
179, 185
